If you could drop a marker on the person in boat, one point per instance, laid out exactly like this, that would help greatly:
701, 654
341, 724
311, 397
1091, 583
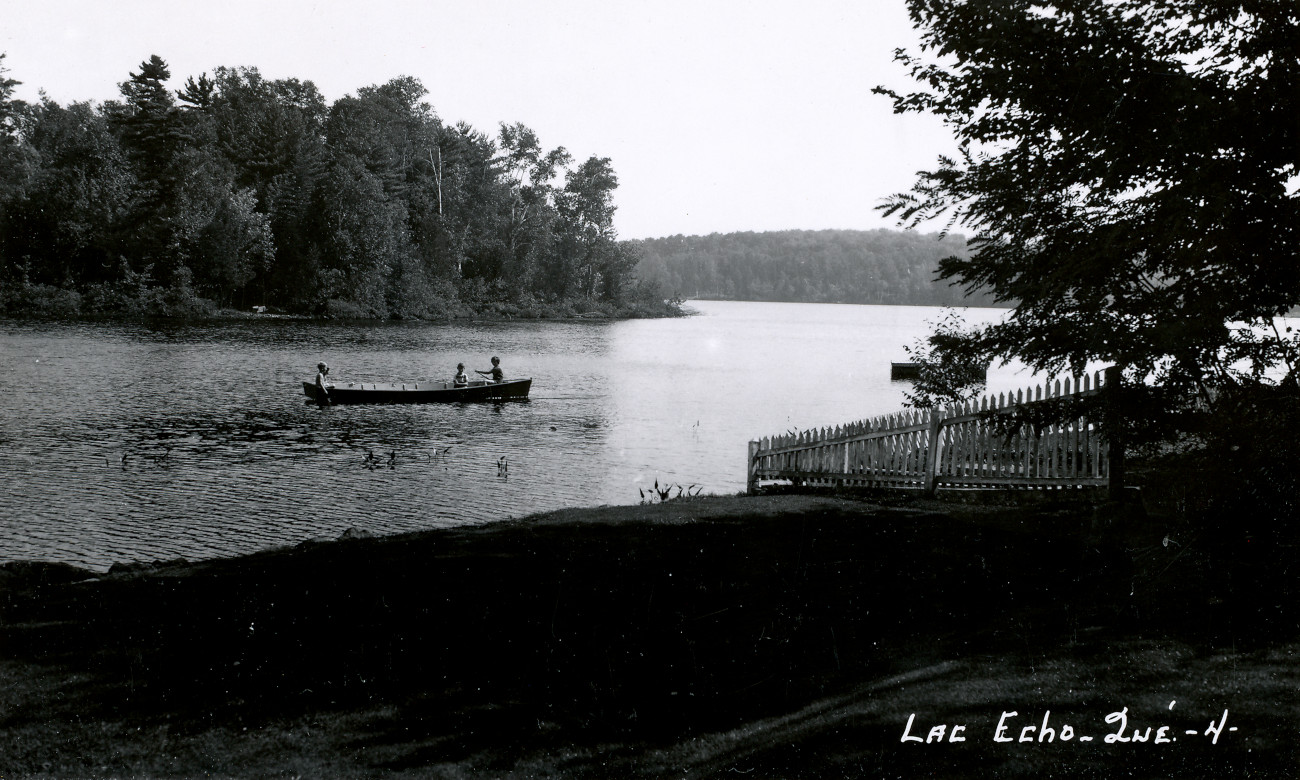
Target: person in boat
460, 380
322, 383
495, 373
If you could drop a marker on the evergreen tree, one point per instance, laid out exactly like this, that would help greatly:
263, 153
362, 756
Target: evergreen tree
150, 128
151, 131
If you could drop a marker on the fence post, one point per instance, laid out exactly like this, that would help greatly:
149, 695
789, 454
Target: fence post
932, 452
751, 469
1114, 425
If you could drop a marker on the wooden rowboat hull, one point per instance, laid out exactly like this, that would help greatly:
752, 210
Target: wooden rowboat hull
912, 371
904, 371
435, 392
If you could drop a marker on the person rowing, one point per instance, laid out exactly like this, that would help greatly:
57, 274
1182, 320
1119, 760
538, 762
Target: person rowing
495, 374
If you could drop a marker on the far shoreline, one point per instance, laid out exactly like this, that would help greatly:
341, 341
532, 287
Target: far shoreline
242, 315
673, 308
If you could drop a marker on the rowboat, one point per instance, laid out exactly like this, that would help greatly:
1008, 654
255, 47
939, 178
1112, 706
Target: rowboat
423, 392
904, 371
913, 371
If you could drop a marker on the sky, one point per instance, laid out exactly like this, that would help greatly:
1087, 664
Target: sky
718, 116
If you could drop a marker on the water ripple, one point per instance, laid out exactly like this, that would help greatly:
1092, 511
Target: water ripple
196, 441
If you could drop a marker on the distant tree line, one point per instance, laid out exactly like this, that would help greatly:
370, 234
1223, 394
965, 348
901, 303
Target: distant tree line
239, 191
824, 266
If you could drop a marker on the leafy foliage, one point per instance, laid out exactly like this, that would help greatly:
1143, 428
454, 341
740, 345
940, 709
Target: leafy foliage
15, 159
237, 190
949, 373
1129, 172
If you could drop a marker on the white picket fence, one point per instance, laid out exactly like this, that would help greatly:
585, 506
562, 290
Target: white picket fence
958, 447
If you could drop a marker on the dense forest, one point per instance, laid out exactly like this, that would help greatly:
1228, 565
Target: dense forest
237, 191
825, 266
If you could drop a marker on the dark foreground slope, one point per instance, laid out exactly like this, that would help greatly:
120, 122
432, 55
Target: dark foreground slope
755, 637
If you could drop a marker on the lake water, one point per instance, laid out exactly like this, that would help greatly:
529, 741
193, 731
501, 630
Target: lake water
128, 442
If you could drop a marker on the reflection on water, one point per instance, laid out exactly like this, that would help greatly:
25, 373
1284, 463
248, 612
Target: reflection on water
127, 442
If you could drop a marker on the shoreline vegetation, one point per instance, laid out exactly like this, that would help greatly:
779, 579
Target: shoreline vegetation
781, 635
235, 192
580, 309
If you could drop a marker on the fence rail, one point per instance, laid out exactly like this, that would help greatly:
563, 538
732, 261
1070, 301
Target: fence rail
972, 445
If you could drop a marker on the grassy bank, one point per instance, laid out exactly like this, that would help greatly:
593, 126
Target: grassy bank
787, 636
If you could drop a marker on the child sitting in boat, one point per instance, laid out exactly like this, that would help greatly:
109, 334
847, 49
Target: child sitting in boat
323, 384
460, 380
495, 373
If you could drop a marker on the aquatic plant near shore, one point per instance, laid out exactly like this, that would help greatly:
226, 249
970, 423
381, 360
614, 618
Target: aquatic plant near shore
664, 494
373, 461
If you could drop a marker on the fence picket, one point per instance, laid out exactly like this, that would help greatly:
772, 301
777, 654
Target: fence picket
958, 445
984, 451
1030, 434
972, 439
969, 447
1075, 456
1053, 440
